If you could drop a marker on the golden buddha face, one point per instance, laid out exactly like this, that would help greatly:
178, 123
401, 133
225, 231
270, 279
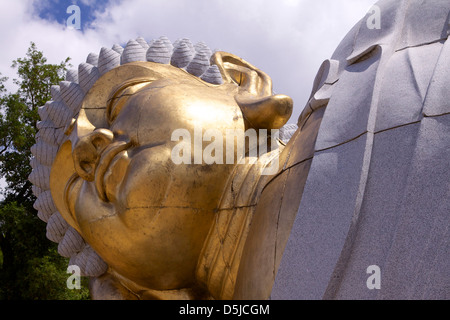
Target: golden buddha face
146, 216
115, 180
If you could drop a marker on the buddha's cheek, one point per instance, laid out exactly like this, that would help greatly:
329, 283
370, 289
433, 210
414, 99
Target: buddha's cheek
146, 181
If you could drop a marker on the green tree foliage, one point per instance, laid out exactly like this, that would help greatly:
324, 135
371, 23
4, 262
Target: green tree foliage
30, 265
20, 114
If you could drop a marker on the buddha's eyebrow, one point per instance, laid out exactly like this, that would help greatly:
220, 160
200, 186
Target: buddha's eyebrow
117, 93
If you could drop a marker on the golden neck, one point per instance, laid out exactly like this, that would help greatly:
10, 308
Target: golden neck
220, 258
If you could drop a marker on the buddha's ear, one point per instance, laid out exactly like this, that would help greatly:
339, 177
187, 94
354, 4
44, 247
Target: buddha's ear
261, 109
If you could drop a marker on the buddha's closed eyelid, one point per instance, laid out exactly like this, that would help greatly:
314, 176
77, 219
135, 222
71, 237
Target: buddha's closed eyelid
120, 96
116, 104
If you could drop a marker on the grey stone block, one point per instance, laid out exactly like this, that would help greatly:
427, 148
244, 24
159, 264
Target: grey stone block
437, 101
404, 86
402, 227
431, 13
417, 266
323, 220
378, 219
347, 113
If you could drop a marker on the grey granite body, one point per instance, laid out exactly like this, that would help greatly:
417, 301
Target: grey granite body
378, 191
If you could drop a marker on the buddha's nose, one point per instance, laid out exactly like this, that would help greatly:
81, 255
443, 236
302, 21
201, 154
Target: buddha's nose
87, 151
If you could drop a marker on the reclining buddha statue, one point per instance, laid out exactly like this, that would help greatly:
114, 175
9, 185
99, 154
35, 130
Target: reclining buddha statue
144, 176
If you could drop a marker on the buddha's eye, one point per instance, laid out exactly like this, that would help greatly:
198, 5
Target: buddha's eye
116, 104
120, 97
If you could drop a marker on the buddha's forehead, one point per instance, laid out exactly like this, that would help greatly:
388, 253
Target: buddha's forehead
95, 102
151, 111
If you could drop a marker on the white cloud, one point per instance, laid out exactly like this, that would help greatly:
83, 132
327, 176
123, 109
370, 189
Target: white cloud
86, 2
288, 39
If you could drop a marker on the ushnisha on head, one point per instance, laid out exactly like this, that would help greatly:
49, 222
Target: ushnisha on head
103, 175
